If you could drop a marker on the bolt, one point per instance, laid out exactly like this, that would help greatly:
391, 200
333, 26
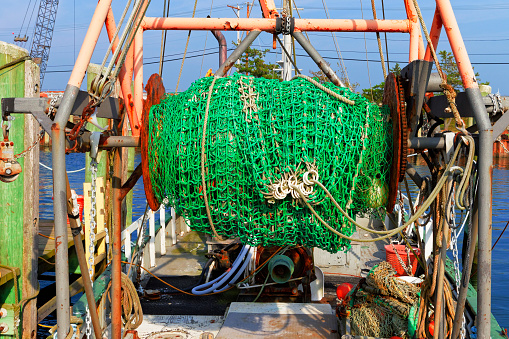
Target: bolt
8, 171
3, 313
4, 328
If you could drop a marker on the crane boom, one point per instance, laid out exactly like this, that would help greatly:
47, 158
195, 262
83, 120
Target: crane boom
43, 33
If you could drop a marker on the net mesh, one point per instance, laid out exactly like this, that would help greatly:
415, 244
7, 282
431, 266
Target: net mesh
381, 307
263, 138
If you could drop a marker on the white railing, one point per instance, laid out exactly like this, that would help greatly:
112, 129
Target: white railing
148, 218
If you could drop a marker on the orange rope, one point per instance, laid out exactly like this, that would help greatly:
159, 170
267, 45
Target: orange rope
49, 262
42, 235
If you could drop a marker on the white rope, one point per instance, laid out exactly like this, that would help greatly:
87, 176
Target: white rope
51, 169
325, 89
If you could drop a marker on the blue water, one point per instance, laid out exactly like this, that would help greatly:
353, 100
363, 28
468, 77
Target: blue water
500, 255
74, 161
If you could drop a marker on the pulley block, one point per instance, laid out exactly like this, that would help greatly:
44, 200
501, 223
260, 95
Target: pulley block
9, 167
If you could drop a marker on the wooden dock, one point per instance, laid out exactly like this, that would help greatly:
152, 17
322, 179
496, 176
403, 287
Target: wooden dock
46, 261
46, 244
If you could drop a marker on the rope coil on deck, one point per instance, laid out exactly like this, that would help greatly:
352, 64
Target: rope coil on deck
262, 138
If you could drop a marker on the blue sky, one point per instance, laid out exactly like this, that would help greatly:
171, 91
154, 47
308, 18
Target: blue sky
481, 24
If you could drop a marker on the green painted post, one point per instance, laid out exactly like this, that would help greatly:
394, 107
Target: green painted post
19, 203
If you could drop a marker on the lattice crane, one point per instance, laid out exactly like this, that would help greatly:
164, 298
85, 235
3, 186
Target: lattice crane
43, 33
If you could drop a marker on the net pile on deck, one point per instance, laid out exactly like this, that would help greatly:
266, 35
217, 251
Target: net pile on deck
384, 306
264, 137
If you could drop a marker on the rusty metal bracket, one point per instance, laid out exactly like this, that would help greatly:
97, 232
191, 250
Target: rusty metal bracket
417, 74
129, 184
109, 108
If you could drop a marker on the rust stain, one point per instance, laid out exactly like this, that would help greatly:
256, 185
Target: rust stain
155, 92
57, 243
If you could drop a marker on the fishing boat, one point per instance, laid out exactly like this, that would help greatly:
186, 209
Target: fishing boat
276, 208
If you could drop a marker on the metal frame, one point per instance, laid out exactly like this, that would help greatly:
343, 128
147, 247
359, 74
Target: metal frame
134, 103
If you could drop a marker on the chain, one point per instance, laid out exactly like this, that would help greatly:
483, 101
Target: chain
31, 147
456, 231
91, 246
502, 144
52, 109
408, 269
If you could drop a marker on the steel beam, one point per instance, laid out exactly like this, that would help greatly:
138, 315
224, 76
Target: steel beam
269, 25
119, 141
500, 126
59, 173
237, 53
116, 265
414, 175
423, 143
317, 58
223, 49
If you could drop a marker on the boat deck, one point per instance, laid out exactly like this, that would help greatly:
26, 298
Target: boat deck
176, 313
46, 263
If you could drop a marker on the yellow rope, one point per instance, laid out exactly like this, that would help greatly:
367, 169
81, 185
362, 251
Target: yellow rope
185, 50
449, 92
379, 41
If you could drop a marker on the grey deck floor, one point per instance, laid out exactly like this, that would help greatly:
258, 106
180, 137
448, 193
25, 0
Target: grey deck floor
182, 266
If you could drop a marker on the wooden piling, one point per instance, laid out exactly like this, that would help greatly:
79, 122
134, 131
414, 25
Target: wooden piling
19, 205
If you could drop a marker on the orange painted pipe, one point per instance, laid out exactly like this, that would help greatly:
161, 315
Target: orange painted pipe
138, 73
89, 43
434, 34
457, 45
124, 76
138, 67
268, 8
416, 42
269, 25
116, 265
413, 53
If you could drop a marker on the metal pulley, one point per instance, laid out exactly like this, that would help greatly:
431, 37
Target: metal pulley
9, 167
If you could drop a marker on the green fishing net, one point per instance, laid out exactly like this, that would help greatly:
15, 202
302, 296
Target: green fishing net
265, 139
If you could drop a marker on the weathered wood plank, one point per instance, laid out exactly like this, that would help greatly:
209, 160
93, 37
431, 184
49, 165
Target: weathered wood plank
12, 84
30, 206
47, 246
75, 288
12, 217
6, 274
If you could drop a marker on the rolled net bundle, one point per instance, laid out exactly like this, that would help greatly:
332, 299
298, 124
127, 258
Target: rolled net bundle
267, 143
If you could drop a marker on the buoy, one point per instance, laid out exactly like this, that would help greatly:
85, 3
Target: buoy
431, 327
343, 289
377, 194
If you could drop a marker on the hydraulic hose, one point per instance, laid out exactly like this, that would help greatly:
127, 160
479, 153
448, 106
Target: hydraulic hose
219, 281
239, 272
